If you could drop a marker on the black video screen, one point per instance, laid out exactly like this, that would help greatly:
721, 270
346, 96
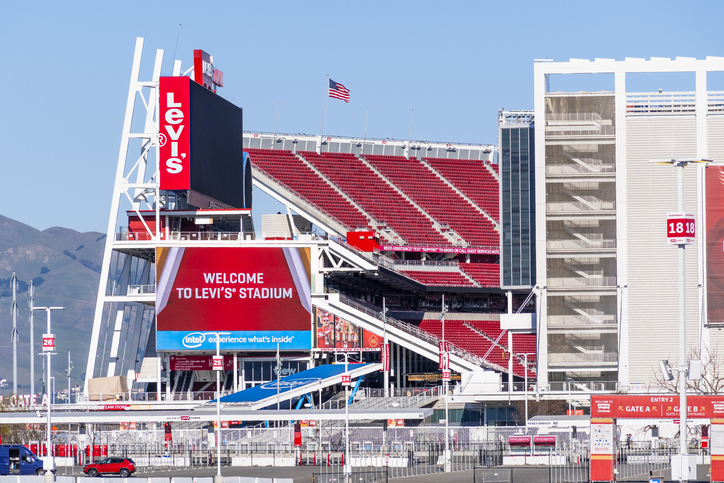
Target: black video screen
217, 158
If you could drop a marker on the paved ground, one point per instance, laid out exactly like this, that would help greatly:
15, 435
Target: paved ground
303, 474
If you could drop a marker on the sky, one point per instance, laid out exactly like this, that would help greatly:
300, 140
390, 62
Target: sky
447, 66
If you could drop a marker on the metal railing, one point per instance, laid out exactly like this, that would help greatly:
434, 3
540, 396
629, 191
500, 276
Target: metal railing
419, 333
140, 289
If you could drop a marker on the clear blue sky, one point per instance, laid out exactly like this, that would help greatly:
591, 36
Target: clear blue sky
67, 65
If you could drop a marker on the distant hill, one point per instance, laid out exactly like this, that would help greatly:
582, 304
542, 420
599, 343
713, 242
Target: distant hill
64, 266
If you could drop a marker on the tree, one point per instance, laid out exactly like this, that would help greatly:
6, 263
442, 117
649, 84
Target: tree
711, 382
18, 433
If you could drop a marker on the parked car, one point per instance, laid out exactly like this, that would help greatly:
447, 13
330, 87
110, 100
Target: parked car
16, 459
124, 467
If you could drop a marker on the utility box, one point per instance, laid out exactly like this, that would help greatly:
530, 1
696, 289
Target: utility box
683, 467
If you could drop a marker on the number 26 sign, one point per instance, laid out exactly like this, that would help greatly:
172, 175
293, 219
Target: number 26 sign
680, 228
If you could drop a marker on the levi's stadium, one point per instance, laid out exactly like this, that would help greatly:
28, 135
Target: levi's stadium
414, 293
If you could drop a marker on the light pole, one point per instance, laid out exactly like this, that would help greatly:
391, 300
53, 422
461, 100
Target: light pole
218, 368
525, 359
347, 466
31, 295
384, 348
684, 237
14, 334
48, 348
67, 373
446, 359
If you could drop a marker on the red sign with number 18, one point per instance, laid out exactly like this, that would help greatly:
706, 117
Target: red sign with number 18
681, 228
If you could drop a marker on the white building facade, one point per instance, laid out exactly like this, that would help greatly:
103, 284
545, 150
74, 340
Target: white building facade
607, 277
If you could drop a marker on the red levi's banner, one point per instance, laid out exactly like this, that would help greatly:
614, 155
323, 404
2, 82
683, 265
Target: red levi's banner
174, 137
655, 407
715, 244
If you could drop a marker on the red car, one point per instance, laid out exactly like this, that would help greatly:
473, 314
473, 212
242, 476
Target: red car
123, 467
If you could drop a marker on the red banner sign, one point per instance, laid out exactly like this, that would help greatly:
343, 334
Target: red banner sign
218, 363
339, 335
714, 244
385, 357
174, 137
655, 407
444, 355
346, 380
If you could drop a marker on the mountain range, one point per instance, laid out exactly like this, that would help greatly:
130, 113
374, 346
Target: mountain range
64, 266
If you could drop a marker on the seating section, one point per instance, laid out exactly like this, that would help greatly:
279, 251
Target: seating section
459, 334
436, 198
376, 197
525, 344
289, 170
437, 278
485, 274
472, 178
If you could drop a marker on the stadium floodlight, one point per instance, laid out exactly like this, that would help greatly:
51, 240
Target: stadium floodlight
665, 369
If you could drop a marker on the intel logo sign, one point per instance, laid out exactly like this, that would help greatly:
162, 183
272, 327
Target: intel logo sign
194, 340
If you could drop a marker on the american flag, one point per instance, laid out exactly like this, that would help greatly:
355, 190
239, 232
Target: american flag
338, 91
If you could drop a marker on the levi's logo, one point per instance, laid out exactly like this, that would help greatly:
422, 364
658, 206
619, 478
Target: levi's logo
174, 124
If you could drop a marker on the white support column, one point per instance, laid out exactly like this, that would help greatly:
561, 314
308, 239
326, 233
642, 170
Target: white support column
702, 152
621, 230
539, 88
236, 371
122, 189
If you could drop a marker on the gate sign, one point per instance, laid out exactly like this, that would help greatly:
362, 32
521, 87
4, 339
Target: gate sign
446, 374
680, 228
346, 380
218, 363
633, 407
48, 342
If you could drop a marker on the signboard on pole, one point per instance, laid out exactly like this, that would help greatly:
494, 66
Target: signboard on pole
681, 228
346, 380
48, 342
385, 357
446, 374
218, 363
444, 361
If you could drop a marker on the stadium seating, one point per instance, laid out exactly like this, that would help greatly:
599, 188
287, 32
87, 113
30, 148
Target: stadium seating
289, 170
437, 198
376, 197
472, 178
485, 274
459, 333
438, 278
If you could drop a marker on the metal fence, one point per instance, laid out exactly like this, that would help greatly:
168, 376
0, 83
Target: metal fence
411, 459
642, 461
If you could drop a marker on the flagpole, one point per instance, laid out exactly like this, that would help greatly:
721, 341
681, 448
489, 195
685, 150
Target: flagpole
274, 137
324, 113
364, 134
409, 139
